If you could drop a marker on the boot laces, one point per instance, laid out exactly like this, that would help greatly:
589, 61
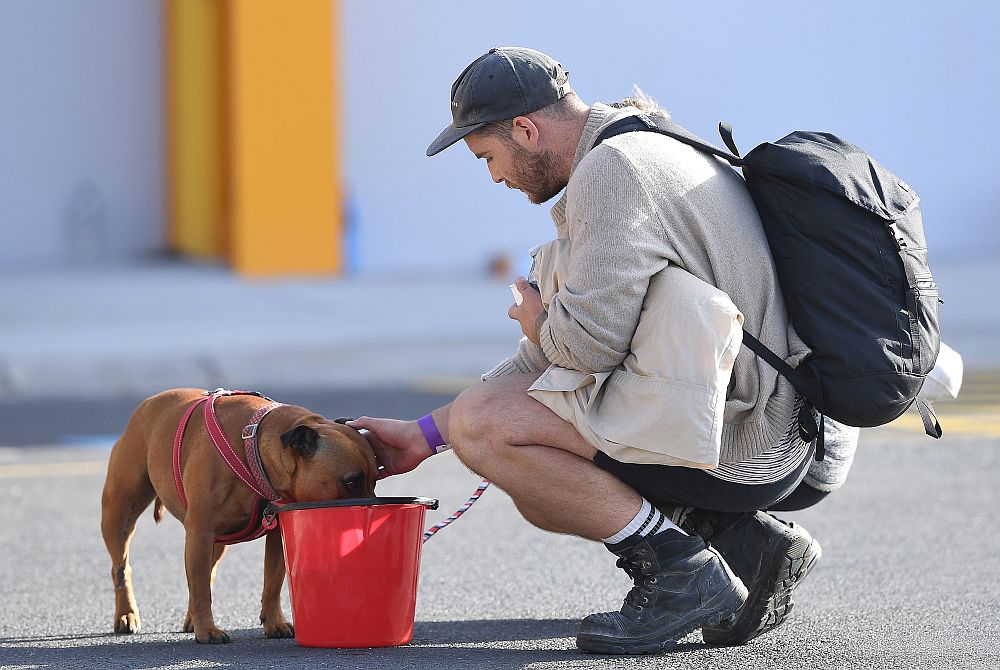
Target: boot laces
636, 567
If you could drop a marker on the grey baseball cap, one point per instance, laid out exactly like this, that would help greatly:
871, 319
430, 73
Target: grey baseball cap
502, 83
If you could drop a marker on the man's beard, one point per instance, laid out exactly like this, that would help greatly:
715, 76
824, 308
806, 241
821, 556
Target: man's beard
535, 174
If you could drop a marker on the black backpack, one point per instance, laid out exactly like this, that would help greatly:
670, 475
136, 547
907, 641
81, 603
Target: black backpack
848, 245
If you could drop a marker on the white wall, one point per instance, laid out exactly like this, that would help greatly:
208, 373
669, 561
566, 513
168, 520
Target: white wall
914, 83
81, 131
81, 112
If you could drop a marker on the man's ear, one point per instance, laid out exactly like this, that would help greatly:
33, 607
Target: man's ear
525, 133
303, 439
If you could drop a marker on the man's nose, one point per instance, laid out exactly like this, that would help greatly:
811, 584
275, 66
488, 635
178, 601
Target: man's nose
495, 176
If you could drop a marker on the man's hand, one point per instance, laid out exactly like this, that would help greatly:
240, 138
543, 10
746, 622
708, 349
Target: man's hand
399, 446
530, 313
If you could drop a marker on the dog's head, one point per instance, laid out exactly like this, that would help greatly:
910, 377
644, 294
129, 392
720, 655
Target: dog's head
329, 461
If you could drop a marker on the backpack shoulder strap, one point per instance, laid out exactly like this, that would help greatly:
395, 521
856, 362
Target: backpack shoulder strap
799, 381
664, 126
810, 389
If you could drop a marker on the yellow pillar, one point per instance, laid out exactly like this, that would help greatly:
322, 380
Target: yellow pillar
282, 152
195, 100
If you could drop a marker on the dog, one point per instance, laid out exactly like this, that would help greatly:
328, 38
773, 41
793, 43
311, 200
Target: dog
304, 458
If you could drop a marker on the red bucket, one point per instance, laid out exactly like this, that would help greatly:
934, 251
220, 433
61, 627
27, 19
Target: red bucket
353, 568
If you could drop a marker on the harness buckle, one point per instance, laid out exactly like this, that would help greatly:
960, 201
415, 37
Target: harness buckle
250, 432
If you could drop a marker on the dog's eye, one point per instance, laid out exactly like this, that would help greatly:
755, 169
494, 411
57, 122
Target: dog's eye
354, 482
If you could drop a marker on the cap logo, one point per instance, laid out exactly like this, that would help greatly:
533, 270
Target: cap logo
454, 104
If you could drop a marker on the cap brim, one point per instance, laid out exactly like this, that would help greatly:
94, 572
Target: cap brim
450, 135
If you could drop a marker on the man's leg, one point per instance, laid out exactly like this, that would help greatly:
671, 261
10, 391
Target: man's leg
541, 461
546, 467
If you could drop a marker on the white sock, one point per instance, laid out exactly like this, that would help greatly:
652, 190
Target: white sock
648, 521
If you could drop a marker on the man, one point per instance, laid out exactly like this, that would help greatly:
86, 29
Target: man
632, 207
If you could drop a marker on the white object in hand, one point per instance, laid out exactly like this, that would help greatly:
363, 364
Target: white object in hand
518, 298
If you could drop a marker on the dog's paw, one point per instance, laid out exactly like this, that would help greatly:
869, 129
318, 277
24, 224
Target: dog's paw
279, 630
188, 626
127, 623
212, 635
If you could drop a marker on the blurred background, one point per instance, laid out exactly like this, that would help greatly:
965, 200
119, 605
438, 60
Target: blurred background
235, 193
194, 190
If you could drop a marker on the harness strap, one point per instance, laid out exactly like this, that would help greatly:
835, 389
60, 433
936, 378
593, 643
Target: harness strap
225, 449
254, 463
178, 440
255, 528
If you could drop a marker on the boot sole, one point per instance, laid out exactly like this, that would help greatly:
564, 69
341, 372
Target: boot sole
721, 609
770, 600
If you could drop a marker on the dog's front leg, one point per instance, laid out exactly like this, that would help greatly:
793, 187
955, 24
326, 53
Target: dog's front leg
275, 624
199, 554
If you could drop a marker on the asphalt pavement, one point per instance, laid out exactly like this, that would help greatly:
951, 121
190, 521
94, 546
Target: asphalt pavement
908, 579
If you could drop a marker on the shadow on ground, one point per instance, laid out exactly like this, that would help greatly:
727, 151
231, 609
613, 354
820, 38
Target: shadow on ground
507, 643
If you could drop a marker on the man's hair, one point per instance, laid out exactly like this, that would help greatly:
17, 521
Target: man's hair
560, 109
641, 101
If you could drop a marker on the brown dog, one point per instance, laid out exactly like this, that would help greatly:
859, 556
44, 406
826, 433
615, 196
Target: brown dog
305, 456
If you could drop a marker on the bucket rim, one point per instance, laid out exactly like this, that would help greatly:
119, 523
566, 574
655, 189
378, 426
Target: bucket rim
275, 508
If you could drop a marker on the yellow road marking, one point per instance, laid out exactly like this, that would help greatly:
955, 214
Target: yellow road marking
33, 470
952, 424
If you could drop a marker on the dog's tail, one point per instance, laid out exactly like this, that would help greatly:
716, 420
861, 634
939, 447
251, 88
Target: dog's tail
158, 510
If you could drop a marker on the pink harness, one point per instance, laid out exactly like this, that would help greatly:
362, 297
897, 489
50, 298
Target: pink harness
251, 473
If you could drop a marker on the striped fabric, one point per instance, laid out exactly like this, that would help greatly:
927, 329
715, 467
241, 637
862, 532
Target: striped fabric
431, 532
771, 465
647, 521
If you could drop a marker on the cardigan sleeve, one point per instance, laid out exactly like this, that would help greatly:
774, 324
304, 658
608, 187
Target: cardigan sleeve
529, 358
617, 245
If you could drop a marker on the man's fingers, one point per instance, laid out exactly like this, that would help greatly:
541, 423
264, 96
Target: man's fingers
361, 422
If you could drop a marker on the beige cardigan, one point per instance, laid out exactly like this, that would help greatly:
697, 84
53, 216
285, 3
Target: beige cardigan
634, 205
664, 403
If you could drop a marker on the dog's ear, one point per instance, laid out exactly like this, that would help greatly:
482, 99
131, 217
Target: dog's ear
303, 439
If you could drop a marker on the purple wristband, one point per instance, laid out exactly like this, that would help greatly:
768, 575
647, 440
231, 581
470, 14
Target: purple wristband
431, 432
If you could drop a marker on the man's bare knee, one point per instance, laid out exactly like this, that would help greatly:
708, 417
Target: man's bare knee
467, 425
499, 413
479, 411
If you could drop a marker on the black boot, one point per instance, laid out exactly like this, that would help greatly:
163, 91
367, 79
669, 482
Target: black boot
770, 556
680, 584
